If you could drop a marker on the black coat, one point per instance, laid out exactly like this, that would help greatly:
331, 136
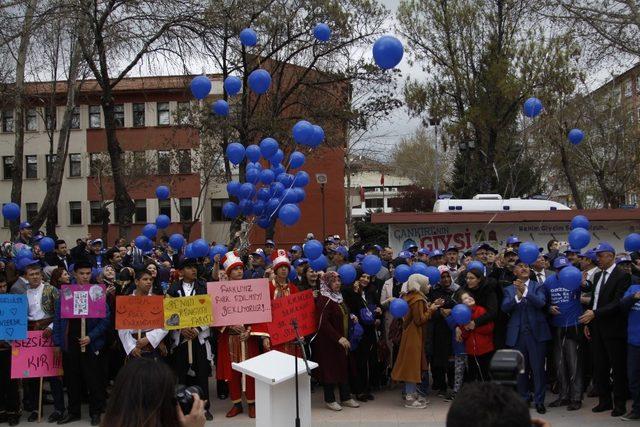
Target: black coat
485, 296
438, 331
610, 320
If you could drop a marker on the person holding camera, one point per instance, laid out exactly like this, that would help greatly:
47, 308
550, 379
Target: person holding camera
145, 394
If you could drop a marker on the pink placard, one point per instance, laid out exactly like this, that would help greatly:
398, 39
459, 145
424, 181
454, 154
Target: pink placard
240, 302
35, 357
83, 301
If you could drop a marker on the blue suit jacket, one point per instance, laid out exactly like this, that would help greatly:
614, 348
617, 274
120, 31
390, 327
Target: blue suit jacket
531, 306
96, 330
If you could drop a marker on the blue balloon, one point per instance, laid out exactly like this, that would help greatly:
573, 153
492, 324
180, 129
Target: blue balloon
188, 251
259, 81
289, 196
632, 242
233, 188
200, 248
302, 132
570, 277
11, 211
143, 243
246, 190
317, 137
257, 166
322, 32
402, 273
162, 192
285, 179
267, 176
176, 241
259, 207
252, 175
312, 249
289, 214
24, 253
246, 207
264, 194
461, 314
232, 85
579, 238
300, 194
230, 210
268, 147
277, 189
580, 221
575, 136
371, 265
217, 250
163, 221
278, 169
272, 205
347, 274
235, 152
296, 160
248, 37
476, 265
433, 274
532, 107
387, 52
293, 274
150, 231
419, 268
278, 157
398, 308
264, 222
200, 87
301, 179
528, 252
47, 244
253, 153
320, 263
220, 108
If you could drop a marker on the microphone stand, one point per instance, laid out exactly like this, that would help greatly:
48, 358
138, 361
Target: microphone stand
299, 341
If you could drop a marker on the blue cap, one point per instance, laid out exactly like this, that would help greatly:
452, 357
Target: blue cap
622, 259
23, 263
604, 247
512, 240
269, 242
342, 251
378, 247
299, 261
479, 246
410, 246
25, 224
572, 251
359, 257
296, 248
405, 254
423, 251
452, 248
435, 253
589, 254
561, 262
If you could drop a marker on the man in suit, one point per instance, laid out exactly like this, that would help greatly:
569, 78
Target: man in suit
59, 257
538, 271
606, 326
528, 330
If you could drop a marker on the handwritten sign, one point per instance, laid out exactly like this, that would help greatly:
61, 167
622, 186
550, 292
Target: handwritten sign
144, 312
299, 306
187, 312
83, 301
35, 357
13, 317
240, 302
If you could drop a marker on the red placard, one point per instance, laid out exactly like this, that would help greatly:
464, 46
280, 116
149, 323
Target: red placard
301, 307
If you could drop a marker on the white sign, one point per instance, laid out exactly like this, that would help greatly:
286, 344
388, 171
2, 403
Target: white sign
464, 236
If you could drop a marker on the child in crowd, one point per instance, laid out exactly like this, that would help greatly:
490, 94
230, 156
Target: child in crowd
478, 341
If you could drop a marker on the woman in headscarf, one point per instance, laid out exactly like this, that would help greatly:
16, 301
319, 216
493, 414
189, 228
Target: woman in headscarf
331, 344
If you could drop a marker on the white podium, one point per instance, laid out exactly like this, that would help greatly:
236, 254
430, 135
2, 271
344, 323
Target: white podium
274, 372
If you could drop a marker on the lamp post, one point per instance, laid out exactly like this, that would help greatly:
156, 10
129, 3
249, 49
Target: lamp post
321, 178
435, 122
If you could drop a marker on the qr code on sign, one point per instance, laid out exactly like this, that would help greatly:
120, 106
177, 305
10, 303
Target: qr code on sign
81, 303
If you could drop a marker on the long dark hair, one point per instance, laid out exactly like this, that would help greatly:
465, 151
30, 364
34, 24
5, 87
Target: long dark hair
143, 396
304, 282
56, 276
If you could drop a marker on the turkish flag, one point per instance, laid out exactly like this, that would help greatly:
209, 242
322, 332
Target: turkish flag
382, 179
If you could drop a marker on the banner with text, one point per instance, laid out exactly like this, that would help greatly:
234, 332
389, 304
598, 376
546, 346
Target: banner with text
35, 357
240, 302
83, 301
187, 312
300, 307
144, 312
13, 317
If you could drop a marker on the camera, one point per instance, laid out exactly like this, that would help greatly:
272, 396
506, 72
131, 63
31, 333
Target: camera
184, 396
505, 367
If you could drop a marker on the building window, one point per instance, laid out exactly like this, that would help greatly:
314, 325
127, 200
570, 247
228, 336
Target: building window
50, 163
75, 118
141, 211
184, 161
118, 115
184, 108
138, 115
32, 211
216, 210
163, 113
50, 119
94, 116
164, 207
75, 165
185, 209
7, 121
628, 88
7, 167
164, 162
95, 211
374, 203
75, 213
616, 95
31, 123
31, 167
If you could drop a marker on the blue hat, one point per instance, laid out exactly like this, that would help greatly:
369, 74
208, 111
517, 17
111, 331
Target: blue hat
479, 246
423, 251
512, 240
299, 261
435, 253
296, 248
410, 246
572, 250
604, 247
378, 247
25, 224
269, 242
342, 251
561, 262
23, 263
405, 254
359, 257
622, 259
589, 254
452, 248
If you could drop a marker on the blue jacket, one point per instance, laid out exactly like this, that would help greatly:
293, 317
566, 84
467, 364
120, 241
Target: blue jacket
96, 330
530, 308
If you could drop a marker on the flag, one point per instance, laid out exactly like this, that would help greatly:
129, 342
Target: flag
382, 179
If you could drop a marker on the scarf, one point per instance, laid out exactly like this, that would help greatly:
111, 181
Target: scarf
325, 287
281, 290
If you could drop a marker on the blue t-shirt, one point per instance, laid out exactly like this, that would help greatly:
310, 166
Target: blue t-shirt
633, 328
567, 301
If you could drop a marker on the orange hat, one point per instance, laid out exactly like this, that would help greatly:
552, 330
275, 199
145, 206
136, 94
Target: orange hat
280, 259
231, 260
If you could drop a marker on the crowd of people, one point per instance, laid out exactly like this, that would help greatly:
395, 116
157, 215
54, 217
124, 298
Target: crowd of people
573, 341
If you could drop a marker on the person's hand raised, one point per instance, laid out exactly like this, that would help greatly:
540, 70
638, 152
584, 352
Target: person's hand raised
196, 417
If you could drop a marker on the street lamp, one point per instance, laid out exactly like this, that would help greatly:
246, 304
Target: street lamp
435, 122
321, 178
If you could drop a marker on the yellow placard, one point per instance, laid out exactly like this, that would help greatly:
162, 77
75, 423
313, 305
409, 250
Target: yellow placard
187, 312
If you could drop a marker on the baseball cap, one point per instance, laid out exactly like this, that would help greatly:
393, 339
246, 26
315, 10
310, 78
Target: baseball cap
378, 248
521, 261
452, 248
571, 250
512, 240
623, 259
479, 246
342, 251
589, 254
411, 246
299, 261
405, 254
269, 242
25, 225
561, 262
310, 236
95, 241
23, 263
295, 248
258, 252
510, 251
604, 247
423, 251
435, 253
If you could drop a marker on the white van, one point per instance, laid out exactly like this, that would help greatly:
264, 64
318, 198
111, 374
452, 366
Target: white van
495, 203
